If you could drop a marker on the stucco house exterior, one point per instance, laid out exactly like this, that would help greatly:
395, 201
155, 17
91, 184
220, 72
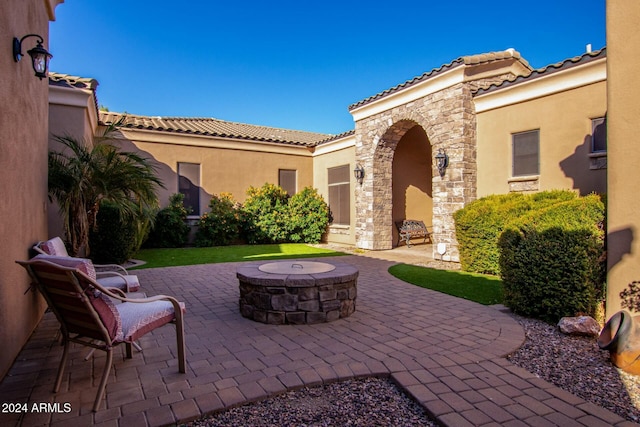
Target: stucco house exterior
504, 127
24, 125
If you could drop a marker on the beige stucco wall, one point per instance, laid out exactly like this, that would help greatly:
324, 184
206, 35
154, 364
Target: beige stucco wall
623, 244
225, 165
23, 171
72, 113
343, 152
564, 121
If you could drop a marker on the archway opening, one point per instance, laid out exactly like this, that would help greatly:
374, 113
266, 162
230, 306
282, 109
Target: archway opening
412, 194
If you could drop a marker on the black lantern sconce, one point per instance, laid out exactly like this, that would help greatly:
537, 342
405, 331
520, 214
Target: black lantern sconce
358, 173
442, 161
39, 55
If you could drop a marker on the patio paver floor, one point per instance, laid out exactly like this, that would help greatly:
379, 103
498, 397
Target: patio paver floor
445, 352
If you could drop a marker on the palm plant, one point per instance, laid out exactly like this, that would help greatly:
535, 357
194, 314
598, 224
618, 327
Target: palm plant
81, 176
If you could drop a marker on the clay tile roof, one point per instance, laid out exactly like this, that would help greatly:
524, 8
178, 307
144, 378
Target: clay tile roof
549, 69
336, 137
217, 128
463, 60
65, 80
494, 56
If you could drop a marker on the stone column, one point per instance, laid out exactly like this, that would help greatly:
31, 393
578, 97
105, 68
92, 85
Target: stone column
458, 186
448, 118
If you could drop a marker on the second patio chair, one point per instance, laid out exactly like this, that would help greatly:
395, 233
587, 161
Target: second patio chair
108, 275
88, 316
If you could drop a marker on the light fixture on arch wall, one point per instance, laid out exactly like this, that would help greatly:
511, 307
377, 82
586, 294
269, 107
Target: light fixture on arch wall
39, 55
358, 173
442, 161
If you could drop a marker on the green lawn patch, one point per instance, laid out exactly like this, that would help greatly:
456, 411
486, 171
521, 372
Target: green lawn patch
171, 257
480, 288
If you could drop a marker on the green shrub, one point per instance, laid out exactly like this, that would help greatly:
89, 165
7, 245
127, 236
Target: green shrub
552, 260
268, 215
113, 240
221, 225
170, 229
308, 216
265, 214
480, 223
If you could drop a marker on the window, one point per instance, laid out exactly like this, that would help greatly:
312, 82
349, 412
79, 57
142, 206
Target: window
599, 135
525, 149
339, 194
189, 185
287, 179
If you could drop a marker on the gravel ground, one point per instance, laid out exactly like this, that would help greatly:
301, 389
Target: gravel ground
361, 402
575, 364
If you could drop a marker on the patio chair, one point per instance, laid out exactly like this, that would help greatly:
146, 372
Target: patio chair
88, 316
108, 275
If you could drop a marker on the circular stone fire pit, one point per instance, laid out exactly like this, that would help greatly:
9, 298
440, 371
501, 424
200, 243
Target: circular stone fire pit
297, 292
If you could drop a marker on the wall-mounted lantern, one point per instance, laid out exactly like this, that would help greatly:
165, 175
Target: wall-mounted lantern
358, 173
442, 161
39, 55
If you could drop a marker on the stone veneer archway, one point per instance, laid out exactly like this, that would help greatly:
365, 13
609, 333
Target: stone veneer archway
448, 119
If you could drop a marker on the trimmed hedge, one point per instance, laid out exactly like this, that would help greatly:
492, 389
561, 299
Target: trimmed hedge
480, 223
552, 260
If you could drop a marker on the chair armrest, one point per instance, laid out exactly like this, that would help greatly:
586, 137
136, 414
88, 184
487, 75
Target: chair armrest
117, 291
110, 274
38, 249
111, 267
178, 307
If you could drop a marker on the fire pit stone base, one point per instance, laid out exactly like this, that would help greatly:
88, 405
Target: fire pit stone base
290, 295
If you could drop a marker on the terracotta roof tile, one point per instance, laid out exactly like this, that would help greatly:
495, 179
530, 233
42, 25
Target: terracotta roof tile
463, 60
66, 80
545, 71
217, 128
336, 137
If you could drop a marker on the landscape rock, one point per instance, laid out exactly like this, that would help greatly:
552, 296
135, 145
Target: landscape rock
581, 325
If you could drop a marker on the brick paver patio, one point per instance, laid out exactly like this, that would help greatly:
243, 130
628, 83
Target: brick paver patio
447, 353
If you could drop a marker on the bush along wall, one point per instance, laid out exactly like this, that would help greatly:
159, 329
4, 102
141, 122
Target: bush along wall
170, 229
480, 223
221, 225
308, 216
552, 260
265, 214
113, 241
269, 215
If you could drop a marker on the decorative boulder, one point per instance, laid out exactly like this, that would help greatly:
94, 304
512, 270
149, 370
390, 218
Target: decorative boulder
581, 325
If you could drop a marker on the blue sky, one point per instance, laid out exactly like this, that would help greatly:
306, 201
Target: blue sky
294, 64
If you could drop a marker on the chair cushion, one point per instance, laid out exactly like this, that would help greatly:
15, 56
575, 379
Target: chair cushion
54, 246
129, 283
139, 318
82, 264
